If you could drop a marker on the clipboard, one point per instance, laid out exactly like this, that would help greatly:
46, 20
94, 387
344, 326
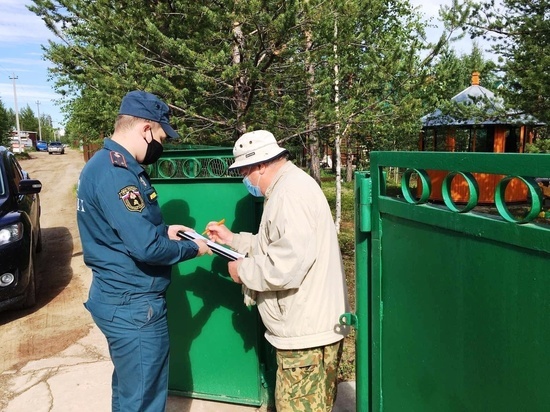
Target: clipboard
216, 248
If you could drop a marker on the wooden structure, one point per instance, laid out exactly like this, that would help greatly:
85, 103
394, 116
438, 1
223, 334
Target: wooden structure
497, 133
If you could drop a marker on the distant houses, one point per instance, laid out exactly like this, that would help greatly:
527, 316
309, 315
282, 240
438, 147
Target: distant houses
27, 138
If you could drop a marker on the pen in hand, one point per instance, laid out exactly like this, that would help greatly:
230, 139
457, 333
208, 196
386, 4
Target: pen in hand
221, 222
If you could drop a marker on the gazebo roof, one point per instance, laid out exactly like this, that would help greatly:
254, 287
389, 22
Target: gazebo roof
481, 97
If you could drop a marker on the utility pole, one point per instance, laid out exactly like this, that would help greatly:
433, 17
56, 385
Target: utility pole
39, 127
14, 78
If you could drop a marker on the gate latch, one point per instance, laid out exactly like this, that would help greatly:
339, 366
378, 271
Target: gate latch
349, 319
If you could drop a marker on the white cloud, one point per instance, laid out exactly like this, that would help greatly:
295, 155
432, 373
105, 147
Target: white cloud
430, 8
26, 92
20, 62
19, 25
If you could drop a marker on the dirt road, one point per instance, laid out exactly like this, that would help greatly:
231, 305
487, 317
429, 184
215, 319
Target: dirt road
59, 318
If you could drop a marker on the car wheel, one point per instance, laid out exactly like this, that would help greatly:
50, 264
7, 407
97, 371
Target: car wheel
30, 293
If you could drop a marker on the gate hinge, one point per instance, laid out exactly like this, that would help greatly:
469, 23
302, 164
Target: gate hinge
349, 319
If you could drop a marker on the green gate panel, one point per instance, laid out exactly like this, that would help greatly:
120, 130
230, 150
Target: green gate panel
217, 348
458, 301
464, 322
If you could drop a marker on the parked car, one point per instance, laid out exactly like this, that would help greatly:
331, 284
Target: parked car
56, 147
41, 146
20, 236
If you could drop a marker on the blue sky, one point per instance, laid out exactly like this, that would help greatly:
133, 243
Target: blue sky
21, 36
430, 9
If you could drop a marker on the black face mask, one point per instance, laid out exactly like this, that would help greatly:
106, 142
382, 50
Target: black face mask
154, 151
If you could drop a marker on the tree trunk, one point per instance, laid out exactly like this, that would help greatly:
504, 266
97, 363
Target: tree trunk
311, 137
349, 160
337, 137
240, 83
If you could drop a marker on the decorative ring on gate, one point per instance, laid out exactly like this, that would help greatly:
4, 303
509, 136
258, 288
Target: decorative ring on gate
535, 193
171, 167
150, 169
191, 167
217, 167
426, 186
472, 187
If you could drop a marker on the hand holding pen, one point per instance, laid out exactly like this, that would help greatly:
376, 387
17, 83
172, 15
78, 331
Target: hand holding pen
219, 233
221, 222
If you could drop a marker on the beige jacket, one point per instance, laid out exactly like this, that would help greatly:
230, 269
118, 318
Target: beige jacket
295, 265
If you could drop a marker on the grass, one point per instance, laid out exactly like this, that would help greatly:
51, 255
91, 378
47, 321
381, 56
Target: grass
347, 246
22, 156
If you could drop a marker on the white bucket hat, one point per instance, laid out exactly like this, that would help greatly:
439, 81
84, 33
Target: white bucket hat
255, 147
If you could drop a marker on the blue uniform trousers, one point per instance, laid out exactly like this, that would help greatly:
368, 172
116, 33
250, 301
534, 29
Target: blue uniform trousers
137, 335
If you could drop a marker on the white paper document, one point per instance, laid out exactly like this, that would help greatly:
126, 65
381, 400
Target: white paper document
216, 248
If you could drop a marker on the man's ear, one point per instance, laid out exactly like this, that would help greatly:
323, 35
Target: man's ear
144, 128
261, 168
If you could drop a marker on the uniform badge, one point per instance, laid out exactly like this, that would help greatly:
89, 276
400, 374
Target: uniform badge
152, 196
132, 198
118, 159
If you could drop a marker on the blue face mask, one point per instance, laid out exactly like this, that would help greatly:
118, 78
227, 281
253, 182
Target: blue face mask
253, 190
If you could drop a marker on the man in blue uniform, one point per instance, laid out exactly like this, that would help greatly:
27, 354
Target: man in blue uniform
130, 251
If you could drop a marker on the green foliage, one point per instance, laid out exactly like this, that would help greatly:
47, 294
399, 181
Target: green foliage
27, 120
347, 199
540, 146
23, 156
226, 68
184, 52
46, 129
5, 125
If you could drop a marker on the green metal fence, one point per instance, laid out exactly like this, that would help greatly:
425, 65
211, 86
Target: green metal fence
453, 300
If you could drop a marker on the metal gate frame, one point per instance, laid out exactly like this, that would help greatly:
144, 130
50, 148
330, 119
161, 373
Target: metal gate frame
452, 302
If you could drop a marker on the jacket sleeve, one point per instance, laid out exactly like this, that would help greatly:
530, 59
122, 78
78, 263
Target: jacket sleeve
242, 242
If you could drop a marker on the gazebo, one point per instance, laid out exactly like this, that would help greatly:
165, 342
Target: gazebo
496, 131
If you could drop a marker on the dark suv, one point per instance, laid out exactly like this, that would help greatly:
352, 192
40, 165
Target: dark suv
20, 237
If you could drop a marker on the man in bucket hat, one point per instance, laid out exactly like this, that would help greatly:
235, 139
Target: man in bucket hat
293, 270
130, 251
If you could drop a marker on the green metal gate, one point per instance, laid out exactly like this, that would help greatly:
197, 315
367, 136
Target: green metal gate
217, 348
453, 300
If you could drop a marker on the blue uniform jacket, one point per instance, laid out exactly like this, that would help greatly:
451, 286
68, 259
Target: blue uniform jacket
124, 237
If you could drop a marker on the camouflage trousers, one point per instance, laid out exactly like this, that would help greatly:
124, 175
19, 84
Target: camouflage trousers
307, 379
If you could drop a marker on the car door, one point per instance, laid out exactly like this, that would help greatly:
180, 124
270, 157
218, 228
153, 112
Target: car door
26, 204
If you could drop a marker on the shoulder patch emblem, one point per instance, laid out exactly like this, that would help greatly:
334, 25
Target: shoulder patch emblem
118, 159
132, 198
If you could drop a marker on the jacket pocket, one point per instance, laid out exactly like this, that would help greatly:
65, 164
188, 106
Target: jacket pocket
147, 311
100, 310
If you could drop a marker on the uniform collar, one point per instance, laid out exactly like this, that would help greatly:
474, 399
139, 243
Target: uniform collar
131, 161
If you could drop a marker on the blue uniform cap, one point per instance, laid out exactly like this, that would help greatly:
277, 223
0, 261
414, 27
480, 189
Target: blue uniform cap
148, 106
